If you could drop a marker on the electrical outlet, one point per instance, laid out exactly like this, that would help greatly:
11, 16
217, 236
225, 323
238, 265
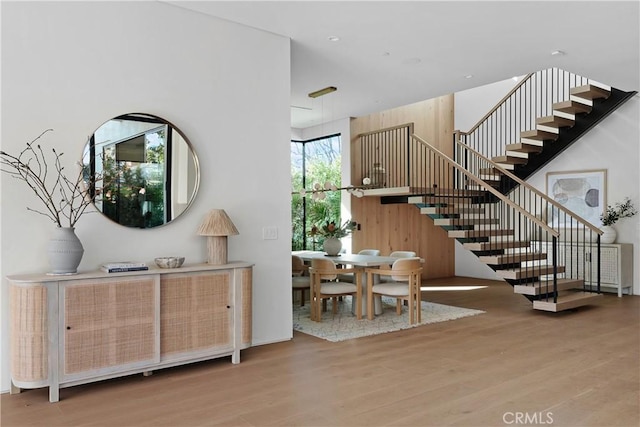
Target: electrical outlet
269, 233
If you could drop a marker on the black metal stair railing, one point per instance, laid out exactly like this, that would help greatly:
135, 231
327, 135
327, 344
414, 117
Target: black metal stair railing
533, 97
527, 238
578, 241
385, 156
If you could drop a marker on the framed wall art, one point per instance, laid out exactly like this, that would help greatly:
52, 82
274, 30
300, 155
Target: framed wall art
582, 192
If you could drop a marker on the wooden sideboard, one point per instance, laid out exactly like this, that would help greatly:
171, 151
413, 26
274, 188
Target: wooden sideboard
76, 329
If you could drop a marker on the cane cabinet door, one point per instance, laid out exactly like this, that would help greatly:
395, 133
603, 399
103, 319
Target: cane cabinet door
196, 315
109, 325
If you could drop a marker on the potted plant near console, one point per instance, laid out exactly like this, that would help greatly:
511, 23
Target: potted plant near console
612, 215
64, 199
332, 234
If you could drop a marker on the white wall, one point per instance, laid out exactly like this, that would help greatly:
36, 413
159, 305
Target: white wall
72, 65
612, 145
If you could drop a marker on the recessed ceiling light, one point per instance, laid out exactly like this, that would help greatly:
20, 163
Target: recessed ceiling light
333, 38
557, 53
468, 76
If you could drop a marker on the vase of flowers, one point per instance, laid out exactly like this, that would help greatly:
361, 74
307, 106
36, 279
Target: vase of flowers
63, 199
332, 234
612, 215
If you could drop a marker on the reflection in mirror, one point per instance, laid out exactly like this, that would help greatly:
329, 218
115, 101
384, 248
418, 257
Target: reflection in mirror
144, 169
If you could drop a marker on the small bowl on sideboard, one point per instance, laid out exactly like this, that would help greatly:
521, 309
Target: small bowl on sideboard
169, 261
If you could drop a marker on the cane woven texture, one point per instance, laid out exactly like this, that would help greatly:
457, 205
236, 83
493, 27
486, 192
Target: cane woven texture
247, 286
109, 323
195, 311
29, 350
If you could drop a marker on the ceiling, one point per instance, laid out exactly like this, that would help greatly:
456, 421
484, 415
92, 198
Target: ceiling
394, 53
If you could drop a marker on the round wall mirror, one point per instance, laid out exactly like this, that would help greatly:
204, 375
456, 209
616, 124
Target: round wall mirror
142, 169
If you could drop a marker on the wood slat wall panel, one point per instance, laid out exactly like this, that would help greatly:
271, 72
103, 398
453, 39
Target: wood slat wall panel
402, 227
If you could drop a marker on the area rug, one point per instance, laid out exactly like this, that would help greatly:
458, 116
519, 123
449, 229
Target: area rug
344, 326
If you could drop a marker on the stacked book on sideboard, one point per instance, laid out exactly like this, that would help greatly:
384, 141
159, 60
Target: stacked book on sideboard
119, 267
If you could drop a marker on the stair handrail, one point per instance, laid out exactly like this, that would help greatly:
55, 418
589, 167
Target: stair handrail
390, 128
498, 104
532, 189
488, 188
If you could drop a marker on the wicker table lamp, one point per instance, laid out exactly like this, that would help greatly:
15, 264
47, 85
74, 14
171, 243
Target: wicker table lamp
216, 225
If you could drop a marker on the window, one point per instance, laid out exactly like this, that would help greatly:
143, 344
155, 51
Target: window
314, 163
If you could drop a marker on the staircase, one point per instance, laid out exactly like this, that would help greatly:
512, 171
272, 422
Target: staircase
548, 128
481, 199
516, 260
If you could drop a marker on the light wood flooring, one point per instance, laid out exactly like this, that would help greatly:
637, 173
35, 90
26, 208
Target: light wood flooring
510, 366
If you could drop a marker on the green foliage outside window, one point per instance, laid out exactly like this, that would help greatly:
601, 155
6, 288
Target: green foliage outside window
322, 165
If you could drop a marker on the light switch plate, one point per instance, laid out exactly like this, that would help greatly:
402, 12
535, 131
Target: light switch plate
269, 233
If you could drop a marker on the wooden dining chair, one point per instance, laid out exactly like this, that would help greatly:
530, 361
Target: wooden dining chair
348, 277
397, 254
300, 279
324, 285
405, 285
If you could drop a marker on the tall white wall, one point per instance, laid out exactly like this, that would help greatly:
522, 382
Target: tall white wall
72, 65
612, 145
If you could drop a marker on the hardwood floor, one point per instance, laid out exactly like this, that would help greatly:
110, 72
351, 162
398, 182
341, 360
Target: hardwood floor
510, 366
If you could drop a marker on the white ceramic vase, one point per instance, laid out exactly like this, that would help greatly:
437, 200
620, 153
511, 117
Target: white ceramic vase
609, 235
332, 246
65, 251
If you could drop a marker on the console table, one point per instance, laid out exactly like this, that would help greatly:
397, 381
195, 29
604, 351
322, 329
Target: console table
76, 329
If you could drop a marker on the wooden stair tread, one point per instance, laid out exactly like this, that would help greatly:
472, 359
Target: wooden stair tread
461, 234
454, 192
541, 287
528, 272
538, 134
524, 147
490, 172
483, 187
450, 210
590, 92
464, 221
555, 121
442, 202
490, 178
512, 258
391, 191
495, 246
567, 301
571, 107
510, 160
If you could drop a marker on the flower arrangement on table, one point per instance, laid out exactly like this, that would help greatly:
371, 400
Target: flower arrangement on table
331, 229
615, 213
64, 199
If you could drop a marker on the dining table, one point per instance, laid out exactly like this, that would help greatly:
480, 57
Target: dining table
356, 261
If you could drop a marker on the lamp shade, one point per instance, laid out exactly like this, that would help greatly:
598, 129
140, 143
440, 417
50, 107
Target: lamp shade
217, 223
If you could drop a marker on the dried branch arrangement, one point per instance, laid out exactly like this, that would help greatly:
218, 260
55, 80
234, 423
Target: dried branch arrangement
65, 199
